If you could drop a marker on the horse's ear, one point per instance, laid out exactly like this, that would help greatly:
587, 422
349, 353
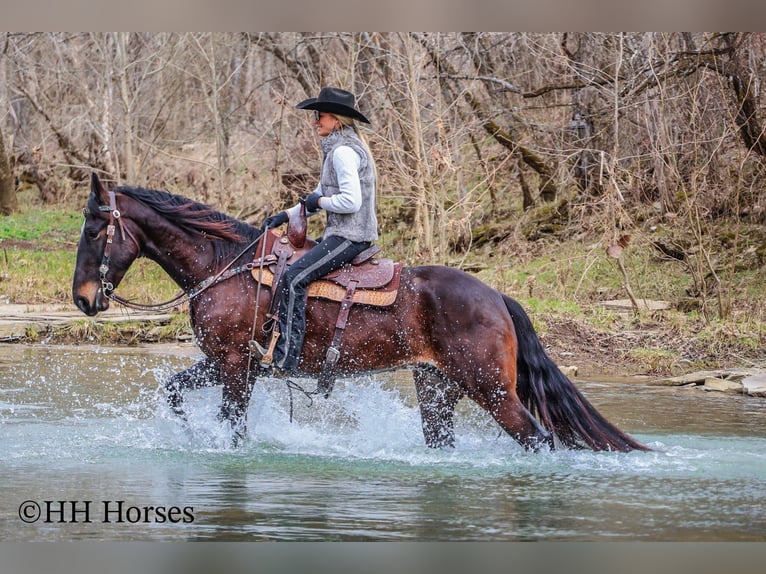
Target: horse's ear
97, 190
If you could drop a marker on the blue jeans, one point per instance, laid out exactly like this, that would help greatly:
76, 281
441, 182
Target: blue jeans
327, 256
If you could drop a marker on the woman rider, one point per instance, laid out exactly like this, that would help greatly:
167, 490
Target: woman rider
346, 192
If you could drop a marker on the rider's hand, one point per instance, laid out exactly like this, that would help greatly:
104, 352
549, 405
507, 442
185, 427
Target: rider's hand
312, 203
275, 220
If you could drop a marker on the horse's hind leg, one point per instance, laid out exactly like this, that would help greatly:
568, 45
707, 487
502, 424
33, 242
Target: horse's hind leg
515, 419
204, 373
437, 397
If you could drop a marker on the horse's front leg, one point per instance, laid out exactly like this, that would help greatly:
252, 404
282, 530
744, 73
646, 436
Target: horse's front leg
237, 386
203, 373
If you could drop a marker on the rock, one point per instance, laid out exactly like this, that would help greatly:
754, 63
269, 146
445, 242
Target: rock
722, 385
700, 377
696, 378
755, 385
569, 372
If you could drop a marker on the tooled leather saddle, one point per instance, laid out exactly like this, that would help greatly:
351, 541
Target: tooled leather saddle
367, 280
375, 280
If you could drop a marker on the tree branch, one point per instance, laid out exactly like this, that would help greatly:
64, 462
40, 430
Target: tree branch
506, 138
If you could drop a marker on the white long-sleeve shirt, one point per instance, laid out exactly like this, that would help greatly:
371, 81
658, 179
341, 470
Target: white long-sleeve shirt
346, 190
346, 163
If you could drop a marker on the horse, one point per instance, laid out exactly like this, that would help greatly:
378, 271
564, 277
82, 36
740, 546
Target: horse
458, 336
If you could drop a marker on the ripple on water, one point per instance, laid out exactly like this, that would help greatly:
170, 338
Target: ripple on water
358, 460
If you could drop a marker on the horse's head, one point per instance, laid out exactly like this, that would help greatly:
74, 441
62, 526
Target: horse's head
104, 253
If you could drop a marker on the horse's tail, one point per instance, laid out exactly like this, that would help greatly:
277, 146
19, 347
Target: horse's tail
553, 398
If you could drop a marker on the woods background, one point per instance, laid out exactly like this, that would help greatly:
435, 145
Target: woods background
481, 139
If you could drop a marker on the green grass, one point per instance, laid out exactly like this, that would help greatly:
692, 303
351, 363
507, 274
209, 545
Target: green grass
47, 227
38, 248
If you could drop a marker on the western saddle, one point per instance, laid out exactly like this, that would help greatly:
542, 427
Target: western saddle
367, 280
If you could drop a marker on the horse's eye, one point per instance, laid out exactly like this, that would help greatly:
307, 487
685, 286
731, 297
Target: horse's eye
93, 233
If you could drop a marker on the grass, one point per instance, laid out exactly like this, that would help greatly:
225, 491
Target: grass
32, 276
654, 360
47, 228
125, 333
556, 280
38, 248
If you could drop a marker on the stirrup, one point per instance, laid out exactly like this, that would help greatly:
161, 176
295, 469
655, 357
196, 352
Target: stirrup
257, 349
267, 355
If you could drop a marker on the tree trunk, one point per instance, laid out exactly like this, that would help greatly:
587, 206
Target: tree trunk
744, 81
121, 40
8, 201
578, 49
506, 138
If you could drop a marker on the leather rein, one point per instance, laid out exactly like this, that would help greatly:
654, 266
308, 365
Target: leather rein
107, 287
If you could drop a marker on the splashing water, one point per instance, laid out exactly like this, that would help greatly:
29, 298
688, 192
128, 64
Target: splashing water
91, 424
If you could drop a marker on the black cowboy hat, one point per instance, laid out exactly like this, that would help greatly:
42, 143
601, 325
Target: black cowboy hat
334, 101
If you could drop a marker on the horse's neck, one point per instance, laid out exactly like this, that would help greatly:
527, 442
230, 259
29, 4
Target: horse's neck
188, 259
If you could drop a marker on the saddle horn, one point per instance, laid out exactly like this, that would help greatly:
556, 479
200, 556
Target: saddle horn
297, 226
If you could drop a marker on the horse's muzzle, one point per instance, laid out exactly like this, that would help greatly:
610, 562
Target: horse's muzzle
90, 308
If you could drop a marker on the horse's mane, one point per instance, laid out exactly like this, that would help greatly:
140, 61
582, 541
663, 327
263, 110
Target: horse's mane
192, 215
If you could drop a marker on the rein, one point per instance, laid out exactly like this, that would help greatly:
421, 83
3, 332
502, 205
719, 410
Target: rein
107, 287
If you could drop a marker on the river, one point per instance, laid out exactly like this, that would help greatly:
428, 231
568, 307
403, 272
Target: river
88, 451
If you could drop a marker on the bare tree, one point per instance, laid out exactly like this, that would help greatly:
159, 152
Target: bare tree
469, 130
8, 200
506, 136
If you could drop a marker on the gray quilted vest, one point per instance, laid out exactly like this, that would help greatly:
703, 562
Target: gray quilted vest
363, 224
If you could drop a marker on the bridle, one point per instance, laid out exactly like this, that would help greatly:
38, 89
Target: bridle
107, 287
114, 216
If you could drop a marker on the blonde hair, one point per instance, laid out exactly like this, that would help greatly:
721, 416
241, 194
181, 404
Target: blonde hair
350, 122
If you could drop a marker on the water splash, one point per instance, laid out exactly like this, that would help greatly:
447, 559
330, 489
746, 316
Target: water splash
95, 424
117, 403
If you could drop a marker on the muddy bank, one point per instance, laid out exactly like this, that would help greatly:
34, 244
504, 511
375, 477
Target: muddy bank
31, 323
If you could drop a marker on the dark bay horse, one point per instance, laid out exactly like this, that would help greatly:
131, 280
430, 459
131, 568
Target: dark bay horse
460, 337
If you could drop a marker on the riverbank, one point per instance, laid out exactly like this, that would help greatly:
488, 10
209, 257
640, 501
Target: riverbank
572, 289
59, 323
580, 350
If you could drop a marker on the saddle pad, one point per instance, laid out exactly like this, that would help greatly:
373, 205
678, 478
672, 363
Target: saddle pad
334, 292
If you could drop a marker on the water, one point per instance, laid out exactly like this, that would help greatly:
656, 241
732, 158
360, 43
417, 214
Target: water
86, 427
